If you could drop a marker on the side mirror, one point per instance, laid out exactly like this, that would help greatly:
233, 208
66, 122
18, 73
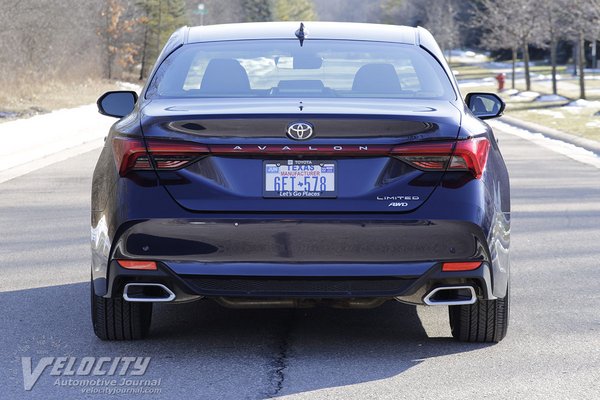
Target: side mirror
485, 105
117, 104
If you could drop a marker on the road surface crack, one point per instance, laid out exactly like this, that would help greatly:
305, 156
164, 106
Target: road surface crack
280, 361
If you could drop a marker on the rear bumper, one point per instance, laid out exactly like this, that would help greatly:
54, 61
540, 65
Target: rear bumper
306, 239
308, 256
408, 282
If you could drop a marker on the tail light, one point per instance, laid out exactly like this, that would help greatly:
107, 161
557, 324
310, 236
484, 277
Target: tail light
131, 154
469, 155
464, 155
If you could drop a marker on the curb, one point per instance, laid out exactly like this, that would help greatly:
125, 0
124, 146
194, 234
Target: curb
587, 144
28, 144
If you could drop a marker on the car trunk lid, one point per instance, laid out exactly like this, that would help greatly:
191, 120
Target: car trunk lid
236, 149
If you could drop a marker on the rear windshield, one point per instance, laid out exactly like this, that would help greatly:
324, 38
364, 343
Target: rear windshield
283, 68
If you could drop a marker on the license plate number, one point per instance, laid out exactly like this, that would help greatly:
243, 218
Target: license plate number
300, 179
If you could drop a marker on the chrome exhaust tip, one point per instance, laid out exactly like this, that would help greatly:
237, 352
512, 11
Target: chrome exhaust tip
451, 296
148, 293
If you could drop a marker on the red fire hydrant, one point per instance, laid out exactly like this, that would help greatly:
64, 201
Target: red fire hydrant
500, 78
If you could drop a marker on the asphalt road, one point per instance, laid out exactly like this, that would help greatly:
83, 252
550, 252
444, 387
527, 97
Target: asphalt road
200, 350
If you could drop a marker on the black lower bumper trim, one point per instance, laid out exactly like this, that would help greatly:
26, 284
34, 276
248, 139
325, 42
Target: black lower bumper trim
304, 287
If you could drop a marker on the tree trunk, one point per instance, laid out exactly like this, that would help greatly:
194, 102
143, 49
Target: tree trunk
144, 53
109, 66
107, 43
581, 57
553, 46
159, 28
514, 61
526, 61
594, 59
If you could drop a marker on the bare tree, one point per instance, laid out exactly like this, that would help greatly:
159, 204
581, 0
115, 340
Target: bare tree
582, 22
116, 34
349, 10
43, 41
553, 17
509, 24
440, 19
439, 16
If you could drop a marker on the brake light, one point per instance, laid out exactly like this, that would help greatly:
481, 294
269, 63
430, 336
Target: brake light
131, 154
471, 155
466, 155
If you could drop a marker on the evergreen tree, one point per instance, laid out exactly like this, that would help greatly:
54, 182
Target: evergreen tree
161, 18
256, 10
296, 10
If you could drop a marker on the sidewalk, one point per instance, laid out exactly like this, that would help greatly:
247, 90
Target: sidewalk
33, 143
588, 144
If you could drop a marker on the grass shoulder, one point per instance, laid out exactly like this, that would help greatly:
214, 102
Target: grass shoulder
581, 118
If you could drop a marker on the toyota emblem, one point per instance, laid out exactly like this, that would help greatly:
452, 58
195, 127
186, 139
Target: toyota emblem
300, 130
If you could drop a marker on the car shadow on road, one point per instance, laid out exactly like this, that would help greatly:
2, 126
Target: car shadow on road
224, 352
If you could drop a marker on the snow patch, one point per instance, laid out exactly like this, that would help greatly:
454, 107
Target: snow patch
467, 57
549, 98
584, 103
524, 96
25, 140
498, 65
593, 124
528, 94
476, 83
551, 113
558, 146
129, 86
573, 110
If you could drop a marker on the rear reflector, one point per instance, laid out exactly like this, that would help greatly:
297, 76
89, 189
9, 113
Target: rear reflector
460, 266
135, 264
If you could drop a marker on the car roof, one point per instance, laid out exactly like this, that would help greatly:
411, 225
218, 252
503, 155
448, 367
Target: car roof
314, 30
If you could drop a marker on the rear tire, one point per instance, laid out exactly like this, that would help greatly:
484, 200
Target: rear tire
117, 319
483, 322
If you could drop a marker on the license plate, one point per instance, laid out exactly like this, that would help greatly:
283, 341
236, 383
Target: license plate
300, 179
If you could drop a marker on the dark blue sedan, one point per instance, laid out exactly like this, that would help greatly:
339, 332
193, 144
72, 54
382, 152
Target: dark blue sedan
294, 165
